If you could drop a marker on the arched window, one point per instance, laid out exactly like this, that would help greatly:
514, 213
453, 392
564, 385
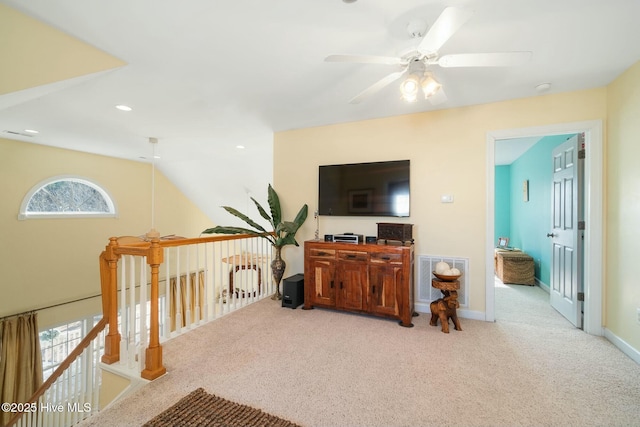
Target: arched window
65, 197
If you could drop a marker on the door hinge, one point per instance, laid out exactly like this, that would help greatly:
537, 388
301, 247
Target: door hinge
581, 154
581, 225
580, 296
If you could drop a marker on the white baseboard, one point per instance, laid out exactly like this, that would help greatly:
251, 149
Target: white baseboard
543, 286
622, 345
463, 313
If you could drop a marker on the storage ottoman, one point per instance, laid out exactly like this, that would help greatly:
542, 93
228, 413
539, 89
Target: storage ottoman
515, 268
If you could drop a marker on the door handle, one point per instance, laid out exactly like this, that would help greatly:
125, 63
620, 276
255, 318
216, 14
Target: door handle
551, 235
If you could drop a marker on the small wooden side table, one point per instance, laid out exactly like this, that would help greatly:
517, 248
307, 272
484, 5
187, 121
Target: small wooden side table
444, 286
244, 262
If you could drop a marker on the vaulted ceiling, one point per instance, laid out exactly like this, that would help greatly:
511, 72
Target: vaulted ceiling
204, 77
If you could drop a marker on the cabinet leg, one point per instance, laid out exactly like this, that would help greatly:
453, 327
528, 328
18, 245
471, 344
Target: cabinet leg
410, 325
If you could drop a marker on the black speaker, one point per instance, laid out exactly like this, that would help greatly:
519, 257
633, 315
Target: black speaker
293, 291
328, 237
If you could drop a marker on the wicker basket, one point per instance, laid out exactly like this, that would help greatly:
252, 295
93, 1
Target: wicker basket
515, 268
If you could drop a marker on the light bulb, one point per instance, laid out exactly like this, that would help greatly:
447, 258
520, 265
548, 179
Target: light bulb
429, 86
409, 88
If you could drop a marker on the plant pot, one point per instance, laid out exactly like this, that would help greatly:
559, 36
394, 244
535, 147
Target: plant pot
277, 269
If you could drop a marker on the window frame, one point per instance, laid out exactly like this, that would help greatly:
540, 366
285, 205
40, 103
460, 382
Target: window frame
24, 214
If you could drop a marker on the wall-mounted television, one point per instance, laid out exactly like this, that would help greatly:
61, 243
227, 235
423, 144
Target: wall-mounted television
364, 189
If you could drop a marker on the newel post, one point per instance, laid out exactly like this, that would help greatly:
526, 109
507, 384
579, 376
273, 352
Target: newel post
110, 302
153, 356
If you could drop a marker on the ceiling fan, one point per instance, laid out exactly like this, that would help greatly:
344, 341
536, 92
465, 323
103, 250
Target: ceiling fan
417, 63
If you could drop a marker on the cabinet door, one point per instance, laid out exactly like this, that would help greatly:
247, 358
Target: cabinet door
321, 280
352, 281
385, 280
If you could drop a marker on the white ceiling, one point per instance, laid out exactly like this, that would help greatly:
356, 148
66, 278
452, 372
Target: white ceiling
509, 150
205, 76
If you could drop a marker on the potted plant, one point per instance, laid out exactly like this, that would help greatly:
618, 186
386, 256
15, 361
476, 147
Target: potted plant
283, 231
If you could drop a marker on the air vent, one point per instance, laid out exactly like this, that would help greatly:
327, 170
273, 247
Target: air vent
427, 264
11, 132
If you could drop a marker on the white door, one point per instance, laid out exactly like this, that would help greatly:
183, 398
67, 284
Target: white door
567, 230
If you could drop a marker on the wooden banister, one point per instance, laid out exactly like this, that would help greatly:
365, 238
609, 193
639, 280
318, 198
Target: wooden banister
153, 250
153, 360
109, 283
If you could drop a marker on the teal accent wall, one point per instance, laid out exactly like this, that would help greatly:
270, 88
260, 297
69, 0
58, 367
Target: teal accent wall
530, 221
502, 200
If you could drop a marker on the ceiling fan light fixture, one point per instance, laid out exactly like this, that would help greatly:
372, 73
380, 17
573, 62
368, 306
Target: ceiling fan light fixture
429, 86
409, 88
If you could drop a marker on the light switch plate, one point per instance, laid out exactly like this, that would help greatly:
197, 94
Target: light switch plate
446, 198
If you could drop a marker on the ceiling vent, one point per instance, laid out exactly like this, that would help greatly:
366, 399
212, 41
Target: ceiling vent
14, 133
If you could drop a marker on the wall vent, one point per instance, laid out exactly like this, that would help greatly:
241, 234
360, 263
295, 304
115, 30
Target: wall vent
427, 264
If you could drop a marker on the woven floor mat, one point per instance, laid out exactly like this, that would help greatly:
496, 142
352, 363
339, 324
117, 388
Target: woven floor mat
201, 409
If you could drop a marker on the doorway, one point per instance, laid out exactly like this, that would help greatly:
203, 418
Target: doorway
593, 247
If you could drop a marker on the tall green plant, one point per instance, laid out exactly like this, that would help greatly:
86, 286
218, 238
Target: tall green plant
283, 231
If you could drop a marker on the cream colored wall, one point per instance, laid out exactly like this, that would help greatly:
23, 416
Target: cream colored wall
447, 150
623, 207
50, 261
28, 44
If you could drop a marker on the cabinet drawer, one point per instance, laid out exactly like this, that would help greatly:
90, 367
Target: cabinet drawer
352, 256
322, 253
384, 258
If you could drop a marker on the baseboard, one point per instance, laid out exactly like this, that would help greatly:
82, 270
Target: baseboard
622, 345
543, 286
462, 312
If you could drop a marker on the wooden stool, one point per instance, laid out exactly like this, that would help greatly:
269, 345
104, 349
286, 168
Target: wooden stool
445, 308
244, 262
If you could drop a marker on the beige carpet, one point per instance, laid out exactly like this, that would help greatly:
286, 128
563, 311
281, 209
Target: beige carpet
326, 368
201, 409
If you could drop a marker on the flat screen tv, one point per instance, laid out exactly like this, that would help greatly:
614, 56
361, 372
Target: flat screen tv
364, 189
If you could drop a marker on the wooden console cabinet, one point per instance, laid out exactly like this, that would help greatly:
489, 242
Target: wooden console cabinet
363, 278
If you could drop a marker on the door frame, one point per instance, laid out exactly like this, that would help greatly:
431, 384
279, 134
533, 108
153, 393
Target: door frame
593, 215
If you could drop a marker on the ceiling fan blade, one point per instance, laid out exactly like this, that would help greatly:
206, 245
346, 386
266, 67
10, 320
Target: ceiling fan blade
364, 59
501, 59
377, 86
449, 21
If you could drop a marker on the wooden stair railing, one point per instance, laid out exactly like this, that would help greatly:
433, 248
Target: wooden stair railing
108, 279
109, 287
108, 262
66, 363
154, 252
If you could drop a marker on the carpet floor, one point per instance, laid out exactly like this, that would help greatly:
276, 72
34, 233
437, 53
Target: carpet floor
326, 368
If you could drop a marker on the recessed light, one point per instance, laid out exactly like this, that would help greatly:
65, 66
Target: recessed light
349, 1
240, 147
123, 107
31, 131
